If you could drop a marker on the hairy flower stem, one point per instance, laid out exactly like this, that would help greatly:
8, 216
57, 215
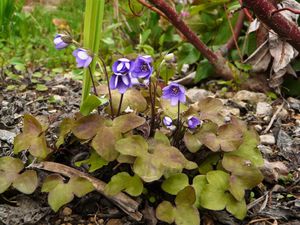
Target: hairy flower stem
109, 91
120, 104
152, 102
94, 86
176, 134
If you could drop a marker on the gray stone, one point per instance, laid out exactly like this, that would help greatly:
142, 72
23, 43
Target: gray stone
196, 94
7, 136
284, 141
294, 103
228, 111
266, 150
258, 127
263, 109
249, 96
267, 139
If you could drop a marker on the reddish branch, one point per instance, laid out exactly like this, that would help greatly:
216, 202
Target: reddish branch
295, 11
216, 59
264, 10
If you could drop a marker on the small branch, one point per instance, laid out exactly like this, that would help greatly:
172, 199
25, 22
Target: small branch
235, 35
273, 118
124, 202
216, 59
247, 13
143, 2
288, 9
264, 10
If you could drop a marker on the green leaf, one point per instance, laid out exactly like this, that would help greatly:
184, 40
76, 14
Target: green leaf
192, 142
134, 145
59, 196
186, 213
5, 182
41, 87
166, 212
209, 110
128, 122
132, 98
209, 163
199, 183
161, 138
94, 162
51, 182
244, 175
104, 143
80, 186
123, 181
237, 208
204, 70
171, 111
214, 195
64, 129
175, 183
187, 54
26, 182
91, 103
10, 164
248, 149
87, 127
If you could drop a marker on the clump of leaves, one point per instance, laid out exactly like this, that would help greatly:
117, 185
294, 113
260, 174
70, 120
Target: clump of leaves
11, 173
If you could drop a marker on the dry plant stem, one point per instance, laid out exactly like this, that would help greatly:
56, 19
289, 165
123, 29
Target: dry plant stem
247, 13
124, 202
286, 29
109, 91
216, 59
235, 35
120, 104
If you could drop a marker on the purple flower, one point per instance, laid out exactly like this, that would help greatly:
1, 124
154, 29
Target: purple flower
83, 59
167, 121
121, 82
62, 41
175, 93
121, 66
193, 122
141, 67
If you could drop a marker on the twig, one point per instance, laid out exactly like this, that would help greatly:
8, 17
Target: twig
216, 59
235, 34
247, 13
154, 9
124, 202
273, 118
288, 9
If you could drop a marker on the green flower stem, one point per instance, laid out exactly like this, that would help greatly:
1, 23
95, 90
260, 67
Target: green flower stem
120, 104
94, 12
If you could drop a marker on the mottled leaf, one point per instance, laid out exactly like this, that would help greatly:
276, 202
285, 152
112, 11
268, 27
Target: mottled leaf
26, 182
94, 162
171, 111
128, 122
64, 129
87, 127
166, 212
104, 143
80, 186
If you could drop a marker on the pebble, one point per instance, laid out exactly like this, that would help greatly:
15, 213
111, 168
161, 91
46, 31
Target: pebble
249, 96
196, 94
266, 150
67, 211
7, 136
228, 111
263, 109
294, 103
267, 139
258, 127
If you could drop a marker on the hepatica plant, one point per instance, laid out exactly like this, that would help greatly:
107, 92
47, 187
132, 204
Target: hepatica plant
154, 136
